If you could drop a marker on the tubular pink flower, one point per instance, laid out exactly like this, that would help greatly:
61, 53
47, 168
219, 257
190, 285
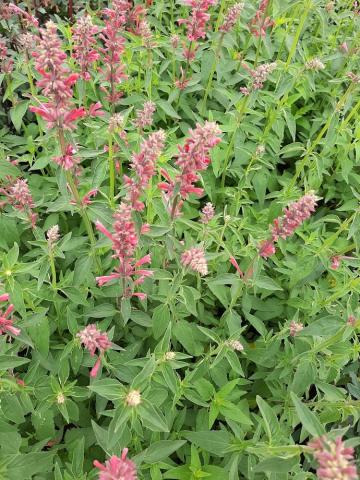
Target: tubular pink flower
144, 117
143, 165
6, 323
124, 243
336, 462
84, 32
56, 81
117, 468
294, 215
67, 161
192, 157
29, 19
231, 17
194, 258
197, 20
236, 265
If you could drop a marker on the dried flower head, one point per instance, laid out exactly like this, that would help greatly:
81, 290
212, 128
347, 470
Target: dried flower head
295, 327
194, 258
133, 398
235, 345
336, 462
207, 213
260, 150
53, 234
60, 398
314, 64
231, 17
117, 468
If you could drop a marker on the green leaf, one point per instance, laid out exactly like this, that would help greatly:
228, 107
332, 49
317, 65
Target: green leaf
271, 423
160, 320
152, 418
11, 361
276, 465
162, 449
167, 108
107, 388
215, 442
17, 112
308, 419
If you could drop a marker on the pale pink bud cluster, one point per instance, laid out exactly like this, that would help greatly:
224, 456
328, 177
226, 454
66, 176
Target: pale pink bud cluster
174, 40
53, 234
144, 31
27, 41
143, 165
56, 82
6, 323
18, 195
335, 262
84, 39
295, 327
93, 340
336, 462
144, 117
231, 17
6, 63
194, 258
314, 64
261, 73
260, 23
67, 161
235, 345
294, 215
124, 242
198, 19
114, 70
207, 213
351, 321
353, 77
192, 158
117, 468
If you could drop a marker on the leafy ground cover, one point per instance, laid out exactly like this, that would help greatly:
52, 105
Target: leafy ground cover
179, 276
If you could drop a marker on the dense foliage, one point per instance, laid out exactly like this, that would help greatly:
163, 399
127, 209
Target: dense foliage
179, 240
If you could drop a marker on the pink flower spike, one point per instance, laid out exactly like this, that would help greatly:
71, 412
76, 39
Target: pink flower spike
95, 110
4, 297
295, 328
236, 265
6, 323
194, 258
99, 226
266, 249
145, 228
117, 468
146, 259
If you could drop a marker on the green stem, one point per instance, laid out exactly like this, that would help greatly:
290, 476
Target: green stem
111, 172
298, 33
211, 75
53, 270
77, 198
232, 140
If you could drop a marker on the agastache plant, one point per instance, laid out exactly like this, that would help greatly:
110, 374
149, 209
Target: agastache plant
17, 193
84, 38
193, 157
124, 243
143, 165
283, 227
